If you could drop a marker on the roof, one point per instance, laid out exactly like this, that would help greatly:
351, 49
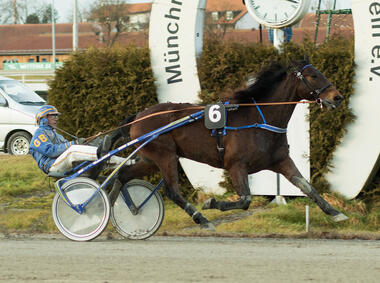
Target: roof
211, 5
337, 21
225, 5
37, 38
139, 8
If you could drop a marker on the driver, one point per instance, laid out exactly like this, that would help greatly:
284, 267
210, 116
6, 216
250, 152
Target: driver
53, 153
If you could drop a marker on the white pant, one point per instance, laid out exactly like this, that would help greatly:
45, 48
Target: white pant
75, 153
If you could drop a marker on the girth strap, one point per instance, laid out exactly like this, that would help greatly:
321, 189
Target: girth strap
219, 133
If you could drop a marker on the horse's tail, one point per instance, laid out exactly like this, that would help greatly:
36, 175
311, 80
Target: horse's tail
122, 133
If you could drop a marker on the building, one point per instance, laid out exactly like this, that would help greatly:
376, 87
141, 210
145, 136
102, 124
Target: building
228, 15
32, 43
139, 15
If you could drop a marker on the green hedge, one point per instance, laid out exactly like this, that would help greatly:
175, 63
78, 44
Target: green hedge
97, 88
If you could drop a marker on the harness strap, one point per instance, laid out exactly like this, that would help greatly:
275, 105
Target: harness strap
219, 133
261, 113
264, 126
260, 126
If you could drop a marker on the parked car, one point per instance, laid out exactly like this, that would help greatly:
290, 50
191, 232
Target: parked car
18, 107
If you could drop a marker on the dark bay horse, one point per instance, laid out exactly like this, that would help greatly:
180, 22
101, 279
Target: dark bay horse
247, 151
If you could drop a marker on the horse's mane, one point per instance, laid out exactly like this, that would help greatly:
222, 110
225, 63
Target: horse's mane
264, 83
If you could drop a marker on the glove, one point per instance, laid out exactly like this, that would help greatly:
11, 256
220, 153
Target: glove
80, 141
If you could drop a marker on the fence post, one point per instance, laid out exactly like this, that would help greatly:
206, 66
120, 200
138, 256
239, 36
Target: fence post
307, 218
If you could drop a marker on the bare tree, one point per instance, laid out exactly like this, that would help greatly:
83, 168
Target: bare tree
45, 14
111, 18
12, 11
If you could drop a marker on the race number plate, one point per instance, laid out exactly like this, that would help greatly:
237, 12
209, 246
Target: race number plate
215, 116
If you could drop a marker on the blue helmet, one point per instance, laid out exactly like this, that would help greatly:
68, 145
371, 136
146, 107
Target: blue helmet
44, 111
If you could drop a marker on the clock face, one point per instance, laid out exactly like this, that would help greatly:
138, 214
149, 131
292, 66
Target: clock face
277, 13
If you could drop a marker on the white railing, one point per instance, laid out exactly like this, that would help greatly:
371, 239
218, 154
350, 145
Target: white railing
29, 76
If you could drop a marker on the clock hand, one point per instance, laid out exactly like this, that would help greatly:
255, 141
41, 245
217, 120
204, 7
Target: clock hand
293, 1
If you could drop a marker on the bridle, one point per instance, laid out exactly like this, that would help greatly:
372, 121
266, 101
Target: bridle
314, 92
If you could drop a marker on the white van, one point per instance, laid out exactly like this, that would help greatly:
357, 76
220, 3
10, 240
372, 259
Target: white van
18, 107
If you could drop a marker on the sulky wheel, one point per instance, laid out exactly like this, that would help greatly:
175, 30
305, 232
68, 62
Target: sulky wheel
93, 220
149, 217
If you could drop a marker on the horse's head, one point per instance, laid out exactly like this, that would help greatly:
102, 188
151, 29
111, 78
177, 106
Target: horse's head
315, 86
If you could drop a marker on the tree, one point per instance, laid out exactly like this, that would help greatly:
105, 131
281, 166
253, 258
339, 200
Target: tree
12, 11
45, 14
111, 18
16, 12
32, 19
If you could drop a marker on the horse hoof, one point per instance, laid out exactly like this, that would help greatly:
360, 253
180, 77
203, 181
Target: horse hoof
208, 226
339, 217
208, 204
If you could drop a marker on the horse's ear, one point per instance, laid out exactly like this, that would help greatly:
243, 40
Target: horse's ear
306, 58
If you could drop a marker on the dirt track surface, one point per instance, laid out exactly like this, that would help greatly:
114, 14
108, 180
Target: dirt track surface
181, 259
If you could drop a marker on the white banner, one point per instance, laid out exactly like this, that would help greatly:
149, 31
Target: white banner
175, 39
172, 37
356, 159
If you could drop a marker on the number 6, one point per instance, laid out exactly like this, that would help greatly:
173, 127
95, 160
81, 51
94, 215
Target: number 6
214, 113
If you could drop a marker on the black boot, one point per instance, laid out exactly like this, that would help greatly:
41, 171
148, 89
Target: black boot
105, 147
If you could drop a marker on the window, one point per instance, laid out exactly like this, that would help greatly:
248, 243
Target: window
44, 60
229, 15
20, 93
3, 102
215, 16
31, 60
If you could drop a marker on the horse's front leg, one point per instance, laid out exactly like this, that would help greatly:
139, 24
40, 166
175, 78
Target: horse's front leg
290, 171
239, 178
169, 169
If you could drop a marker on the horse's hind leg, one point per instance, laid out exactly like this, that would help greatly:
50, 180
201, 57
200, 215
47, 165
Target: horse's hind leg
290, 171
169, 169
239, 180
